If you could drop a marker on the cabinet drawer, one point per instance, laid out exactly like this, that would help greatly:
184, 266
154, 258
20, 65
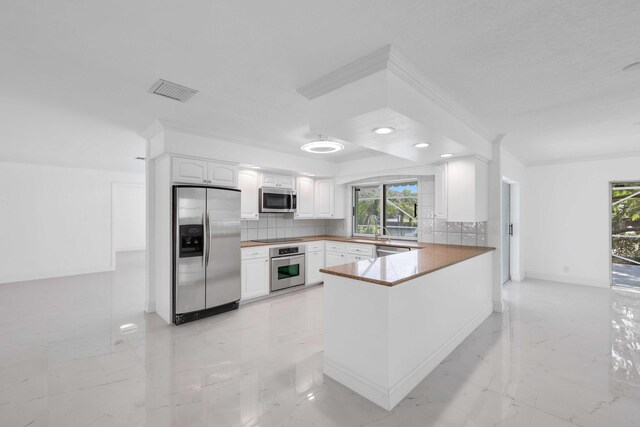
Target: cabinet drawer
337, 247
363, 250
259, 252
315, 246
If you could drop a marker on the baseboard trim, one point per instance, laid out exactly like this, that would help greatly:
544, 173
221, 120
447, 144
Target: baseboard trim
55, 274
389, 398
574, 280
373, 392
403, 387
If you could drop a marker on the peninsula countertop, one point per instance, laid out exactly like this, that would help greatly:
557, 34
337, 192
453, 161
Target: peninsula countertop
395, 269
424, 258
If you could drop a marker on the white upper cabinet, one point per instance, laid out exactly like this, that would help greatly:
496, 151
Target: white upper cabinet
274, 180
324, 198
462, 190
197, 171
305, 193
189, 170
248, 184
441, 191
222, 174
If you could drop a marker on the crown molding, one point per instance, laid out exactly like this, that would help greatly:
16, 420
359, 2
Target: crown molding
579, 159
391, 59
404, 69
349, 73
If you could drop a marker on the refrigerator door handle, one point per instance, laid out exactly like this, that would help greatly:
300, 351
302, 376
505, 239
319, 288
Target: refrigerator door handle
208, 241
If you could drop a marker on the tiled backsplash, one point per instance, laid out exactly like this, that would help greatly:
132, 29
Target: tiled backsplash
455, 233
278, 225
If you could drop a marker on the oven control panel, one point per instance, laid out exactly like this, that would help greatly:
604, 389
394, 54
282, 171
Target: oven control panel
286, 251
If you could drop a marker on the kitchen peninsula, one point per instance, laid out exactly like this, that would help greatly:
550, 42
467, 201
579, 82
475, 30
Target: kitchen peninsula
390, 321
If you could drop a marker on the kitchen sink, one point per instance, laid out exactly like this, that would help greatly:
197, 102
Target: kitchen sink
382, 250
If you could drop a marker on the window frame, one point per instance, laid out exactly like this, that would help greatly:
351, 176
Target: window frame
383, 208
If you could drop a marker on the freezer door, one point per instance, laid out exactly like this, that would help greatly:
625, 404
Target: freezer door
222, 255
189, 290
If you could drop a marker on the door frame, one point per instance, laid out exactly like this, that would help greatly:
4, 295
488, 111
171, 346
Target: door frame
516, 272
609, 254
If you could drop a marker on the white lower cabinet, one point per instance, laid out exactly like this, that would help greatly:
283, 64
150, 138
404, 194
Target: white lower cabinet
315, 261
334, 258
355, 258
255, 273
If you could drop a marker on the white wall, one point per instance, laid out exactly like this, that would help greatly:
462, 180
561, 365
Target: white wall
129, 216
567, 217
55, 221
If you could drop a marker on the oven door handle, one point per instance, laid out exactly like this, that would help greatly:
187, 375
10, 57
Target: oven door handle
275, 259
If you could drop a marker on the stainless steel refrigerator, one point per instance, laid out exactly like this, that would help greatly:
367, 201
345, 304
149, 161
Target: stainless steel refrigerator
206, 264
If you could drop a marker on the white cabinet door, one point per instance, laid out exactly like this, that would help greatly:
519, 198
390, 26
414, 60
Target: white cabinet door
355, 258
305, 195
275, 180
248, 184
189, 170
324, 198
285, 181
315, 261
441, 191
254, 278
222, 174
334, 258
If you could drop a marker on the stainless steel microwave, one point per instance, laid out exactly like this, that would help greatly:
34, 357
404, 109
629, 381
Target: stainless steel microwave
277, 200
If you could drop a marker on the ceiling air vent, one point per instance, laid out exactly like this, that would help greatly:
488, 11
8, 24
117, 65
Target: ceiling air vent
172, 90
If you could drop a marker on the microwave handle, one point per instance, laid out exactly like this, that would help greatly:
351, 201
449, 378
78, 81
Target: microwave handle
294, 201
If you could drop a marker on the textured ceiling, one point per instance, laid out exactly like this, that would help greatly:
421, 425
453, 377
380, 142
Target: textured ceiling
75, 74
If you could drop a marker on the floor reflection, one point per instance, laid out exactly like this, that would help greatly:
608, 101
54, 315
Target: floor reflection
625, 342
79, 351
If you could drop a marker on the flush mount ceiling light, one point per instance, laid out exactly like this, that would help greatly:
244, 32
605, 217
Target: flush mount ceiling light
421, 145
445, 155
322, 146
383, 130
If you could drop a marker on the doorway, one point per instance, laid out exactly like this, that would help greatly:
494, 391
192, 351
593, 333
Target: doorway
507, 232
625, 233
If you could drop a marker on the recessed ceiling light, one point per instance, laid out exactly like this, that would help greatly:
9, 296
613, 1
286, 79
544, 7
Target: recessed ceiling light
421, 145
322, 147
384, 130
254, 167
445, 155
635, 66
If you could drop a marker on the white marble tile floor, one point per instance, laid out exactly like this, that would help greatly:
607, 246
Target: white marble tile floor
79, 351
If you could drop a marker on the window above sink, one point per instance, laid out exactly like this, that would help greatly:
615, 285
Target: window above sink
389, 210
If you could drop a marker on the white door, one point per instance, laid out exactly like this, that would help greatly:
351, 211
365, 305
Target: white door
305, 197
315, 261
255, 278
324, 198
189, 171
334, 258
248, 184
